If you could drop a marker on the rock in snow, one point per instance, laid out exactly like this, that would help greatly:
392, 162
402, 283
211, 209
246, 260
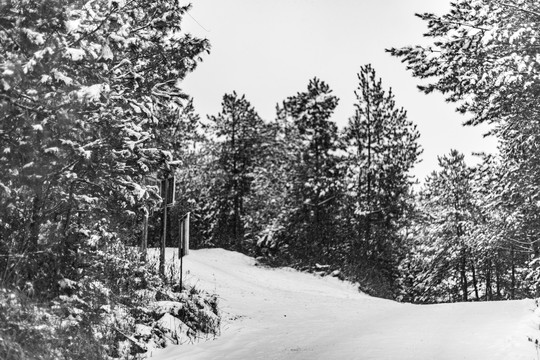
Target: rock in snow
177, 330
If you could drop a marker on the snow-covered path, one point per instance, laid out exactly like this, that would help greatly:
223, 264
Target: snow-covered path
285, 314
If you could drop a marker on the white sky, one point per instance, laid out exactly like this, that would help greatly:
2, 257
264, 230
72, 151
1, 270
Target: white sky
270, 49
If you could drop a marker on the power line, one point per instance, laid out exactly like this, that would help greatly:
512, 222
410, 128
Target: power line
198, 23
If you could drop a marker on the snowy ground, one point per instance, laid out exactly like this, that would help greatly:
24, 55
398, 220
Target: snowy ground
284, 314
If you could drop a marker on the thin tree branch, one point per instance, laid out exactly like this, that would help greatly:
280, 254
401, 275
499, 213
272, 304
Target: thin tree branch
530, 12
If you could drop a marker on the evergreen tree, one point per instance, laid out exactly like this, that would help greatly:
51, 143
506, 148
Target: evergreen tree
273, 185
464, 238
382, 149
237, 132
447, 200
483, 56
496, 251
315, 188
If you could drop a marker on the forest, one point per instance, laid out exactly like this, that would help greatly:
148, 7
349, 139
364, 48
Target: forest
93, 116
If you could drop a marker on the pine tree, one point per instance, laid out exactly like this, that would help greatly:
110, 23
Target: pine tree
273, 185
382, 149
315, 177
483, 57
495, 251
237, 132
448, 202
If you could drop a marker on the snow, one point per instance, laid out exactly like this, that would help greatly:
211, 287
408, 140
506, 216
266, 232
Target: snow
75, 54
60, 76
73, 25
92, 92
143, 330
285, 314
176, 328
34, 37
167, 307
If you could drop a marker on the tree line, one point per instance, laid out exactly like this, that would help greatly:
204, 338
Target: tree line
302, 192
299, 191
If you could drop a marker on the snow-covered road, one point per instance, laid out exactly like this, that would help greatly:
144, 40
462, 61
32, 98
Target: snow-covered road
285, 314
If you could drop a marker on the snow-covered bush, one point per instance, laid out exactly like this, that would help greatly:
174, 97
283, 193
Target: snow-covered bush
118, 307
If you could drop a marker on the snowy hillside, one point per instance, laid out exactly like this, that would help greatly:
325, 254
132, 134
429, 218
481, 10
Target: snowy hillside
285, 314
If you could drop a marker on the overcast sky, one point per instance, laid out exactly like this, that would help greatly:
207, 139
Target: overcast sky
269, 50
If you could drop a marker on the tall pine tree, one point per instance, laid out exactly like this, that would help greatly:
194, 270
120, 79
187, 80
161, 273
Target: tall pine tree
315, 178
237, 133
382, 148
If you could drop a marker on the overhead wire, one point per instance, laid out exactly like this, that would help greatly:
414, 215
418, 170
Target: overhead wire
198, 23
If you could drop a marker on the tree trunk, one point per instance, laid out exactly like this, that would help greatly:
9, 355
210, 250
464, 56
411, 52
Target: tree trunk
489, 290
368, 180
144, 236
164, 233
535, 254
237, 221
464, 284
475, 283
34, 223
513, 275
318, 179
498, 280
236, 187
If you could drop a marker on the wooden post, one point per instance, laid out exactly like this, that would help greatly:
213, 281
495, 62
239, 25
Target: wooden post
186, 235
164, 232
181, 238
181, 273
183, 245
144, 239
181, 252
